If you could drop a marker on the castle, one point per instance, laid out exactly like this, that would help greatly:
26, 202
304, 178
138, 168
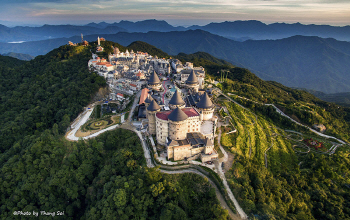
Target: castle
186, 131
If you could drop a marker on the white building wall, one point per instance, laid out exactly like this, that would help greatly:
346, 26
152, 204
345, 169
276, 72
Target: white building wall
162, 128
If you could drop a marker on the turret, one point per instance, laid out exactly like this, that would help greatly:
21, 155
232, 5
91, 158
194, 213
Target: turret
176, 101
152, 109
205, 107
192, 82
154, 82
177, 124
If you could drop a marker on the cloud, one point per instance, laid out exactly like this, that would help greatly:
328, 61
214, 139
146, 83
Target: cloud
196, 10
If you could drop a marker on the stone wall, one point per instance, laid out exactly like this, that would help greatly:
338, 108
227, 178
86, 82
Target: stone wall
162, 130
181, 152
151, 122
178, 130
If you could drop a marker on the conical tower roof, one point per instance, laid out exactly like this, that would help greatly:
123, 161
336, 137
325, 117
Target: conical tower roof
154, 79
176, 99
177, 115
205, 102
192, 78
149, 99
153, 106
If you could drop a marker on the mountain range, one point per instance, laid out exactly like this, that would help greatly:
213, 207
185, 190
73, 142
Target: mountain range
236, 30
300, 61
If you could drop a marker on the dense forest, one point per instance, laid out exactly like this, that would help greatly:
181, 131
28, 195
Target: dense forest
48, 90
103, 178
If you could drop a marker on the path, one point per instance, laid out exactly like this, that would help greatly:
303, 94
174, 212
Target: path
218, 193
84, 117
283, 114
136, 99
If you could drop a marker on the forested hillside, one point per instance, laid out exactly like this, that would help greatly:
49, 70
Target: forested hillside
293, 185
103, 178
48, 90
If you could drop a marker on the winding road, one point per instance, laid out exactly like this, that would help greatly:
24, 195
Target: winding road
82, 118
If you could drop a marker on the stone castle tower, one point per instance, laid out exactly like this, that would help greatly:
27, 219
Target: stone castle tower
205, 107
177, 124
154, 82
192, 82
176, 101
152, 109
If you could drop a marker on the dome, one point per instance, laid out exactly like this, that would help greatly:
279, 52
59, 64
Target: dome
177, 115
192, 78
176, 99
205, 102
153, 106
154, 79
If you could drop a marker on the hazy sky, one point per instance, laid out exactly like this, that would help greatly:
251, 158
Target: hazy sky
181, 12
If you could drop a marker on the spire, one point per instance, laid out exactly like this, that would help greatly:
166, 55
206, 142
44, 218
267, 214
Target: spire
176, 99
205, 102
153, 106
154, 79
192, 78
177, 115
149, 99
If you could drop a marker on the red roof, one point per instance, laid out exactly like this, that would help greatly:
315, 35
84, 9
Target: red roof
101, 63
190, 112
108, 65
119, 94
133, 85
143, 96
139, 74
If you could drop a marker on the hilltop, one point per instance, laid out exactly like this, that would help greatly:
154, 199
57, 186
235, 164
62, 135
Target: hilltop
106, 175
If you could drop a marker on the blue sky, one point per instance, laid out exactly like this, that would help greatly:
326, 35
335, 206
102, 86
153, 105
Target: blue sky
181, 12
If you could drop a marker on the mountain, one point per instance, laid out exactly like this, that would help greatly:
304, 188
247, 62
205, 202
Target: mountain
38, 100
258, 30
148, 25
19, 56
298, 61
235, 30
20, 33
10, 62
338, 98
25, 33
96, 178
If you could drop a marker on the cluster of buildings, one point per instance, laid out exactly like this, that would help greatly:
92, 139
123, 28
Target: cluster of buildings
186, 125
183, 121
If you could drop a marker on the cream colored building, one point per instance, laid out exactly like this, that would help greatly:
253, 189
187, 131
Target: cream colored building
187, 132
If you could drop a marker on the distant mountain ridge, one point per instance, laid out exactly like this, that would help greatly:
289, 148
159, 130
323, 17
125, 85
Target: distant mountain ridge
20, 56
46, 31
299, 61
236, 30
258, 30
